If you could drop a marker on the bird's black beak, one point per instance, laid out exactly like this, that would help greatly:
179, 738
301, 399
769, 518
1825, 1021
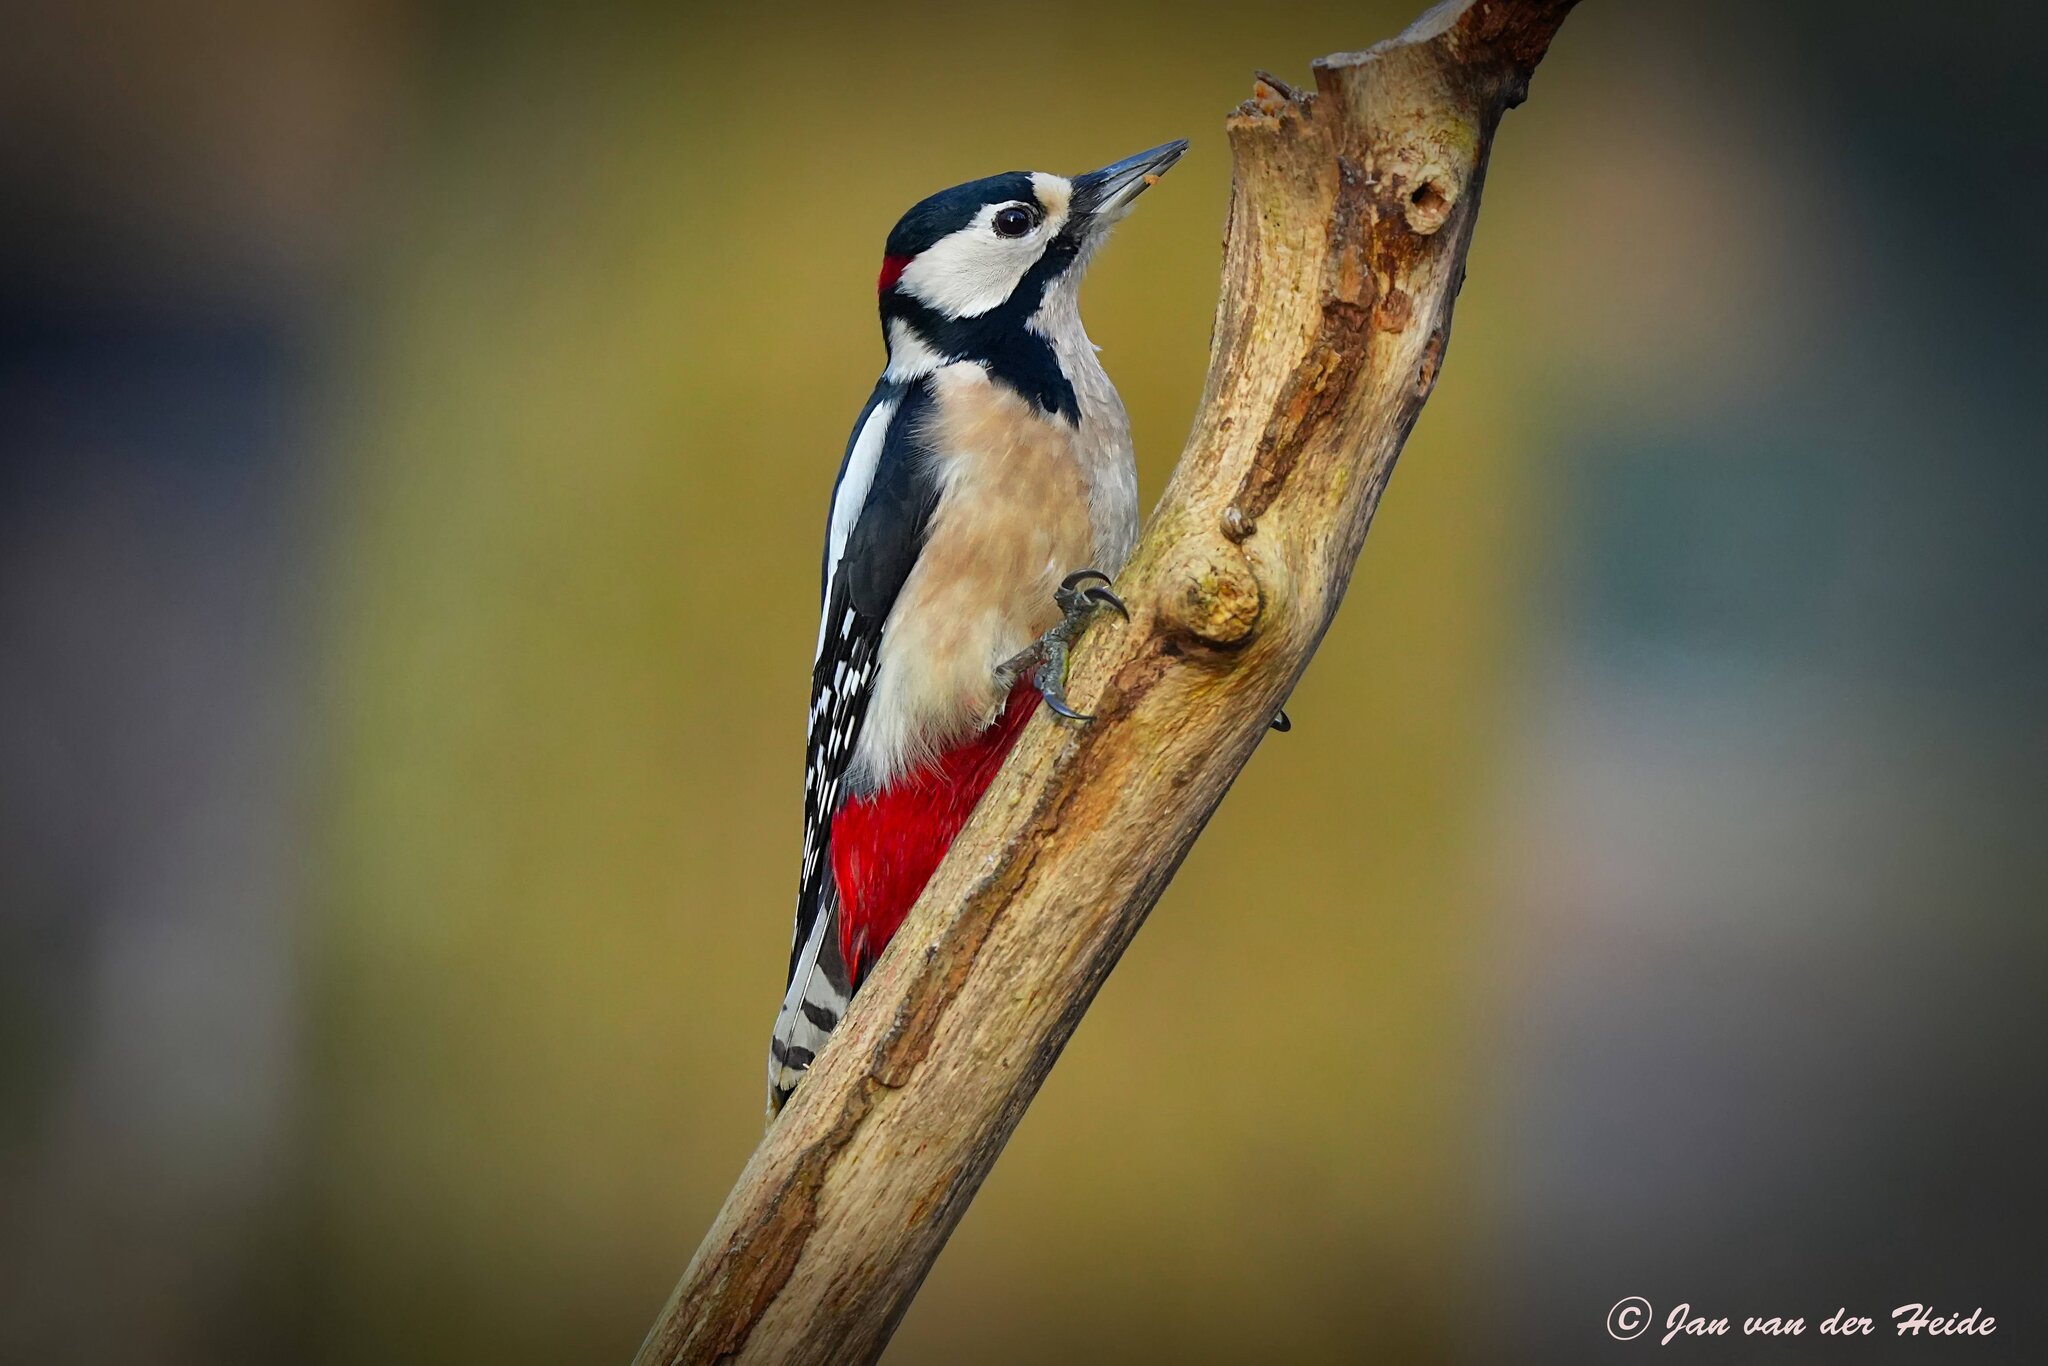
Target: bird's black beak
1106, 195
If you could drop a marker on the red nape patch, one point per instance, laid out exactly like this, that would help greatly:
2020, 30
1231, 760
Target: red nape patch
886, 847
892, 271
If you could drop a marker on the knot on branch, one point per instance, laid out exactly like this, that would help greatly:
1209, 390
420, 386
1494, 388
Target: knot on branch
1421, 174
1428, 206
1213, 597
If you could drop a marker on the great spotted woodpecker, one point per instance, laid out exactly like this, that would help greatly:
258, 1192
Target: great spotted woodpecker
987, 497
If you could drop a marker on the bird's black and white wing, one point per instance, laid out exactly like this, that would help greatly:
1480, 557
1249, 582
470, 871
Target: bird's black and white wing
880, 507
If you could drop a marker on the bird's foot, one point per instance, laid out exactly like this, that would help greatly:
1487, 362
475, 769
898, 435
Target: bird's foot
1080, 596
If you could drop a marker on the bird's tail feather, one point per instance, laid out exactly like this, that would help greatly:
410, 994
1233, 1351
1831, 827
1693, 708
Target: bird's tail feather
819, 989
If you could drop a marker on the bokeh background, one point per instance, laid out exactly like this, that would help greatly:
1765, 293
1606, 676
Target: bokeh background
416, 422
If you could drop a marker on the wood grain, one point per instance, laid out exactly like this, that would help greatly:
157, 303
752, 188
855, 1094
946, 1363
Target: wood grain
1351, 212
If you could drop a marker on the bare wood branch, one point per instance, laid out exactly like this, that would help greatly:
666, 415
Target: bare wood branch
1351, 213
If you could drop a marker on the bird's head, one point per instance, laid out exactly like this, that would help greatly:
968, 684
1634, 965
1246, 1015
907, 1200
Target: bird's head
982, 258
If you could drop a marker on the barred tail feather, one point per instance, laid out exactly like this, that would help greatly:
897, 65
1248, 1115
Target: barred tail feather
819, 989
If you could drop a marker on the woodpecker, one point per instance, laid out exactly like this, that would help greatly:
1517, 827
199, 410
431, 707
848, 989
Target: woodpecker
986, 501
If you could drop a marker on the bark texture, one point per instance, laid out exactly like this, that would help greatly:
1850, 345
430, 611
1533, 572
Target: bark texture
1351, 211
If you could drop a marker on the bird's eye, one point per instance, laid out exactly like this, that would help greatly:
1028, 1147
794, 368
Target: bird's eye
1014, 220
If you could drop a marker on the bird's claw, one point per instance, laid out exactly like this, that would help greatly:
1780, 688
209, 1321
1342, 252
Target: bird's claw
1072, 597
1080, 595
1055, 694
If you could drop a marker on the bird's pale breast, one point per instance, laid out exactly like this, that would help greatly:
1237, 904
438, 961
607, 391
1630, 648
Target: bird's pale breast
1013, 518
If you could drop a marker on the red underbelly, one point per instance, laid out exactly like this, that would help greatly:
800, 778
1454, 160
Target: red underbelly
887, 846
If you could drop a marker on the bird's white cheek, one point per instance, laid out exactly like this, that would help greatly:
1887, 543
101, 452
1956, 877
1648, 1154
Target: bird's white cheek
971, 272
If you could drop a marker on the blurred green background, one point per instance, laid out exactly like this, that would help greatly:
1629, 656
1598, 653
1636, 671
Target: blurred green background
418, 421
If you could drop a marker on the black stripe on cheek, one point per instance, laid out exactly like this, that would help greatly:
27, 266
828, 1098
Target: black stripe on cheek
999, 338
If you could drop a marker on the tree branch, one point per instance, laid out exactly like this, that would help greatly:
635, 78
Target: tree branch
1351, 213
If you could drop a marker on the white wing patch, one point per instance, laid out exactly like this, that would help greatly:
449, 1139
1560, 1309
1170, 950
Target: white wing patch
851, 497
